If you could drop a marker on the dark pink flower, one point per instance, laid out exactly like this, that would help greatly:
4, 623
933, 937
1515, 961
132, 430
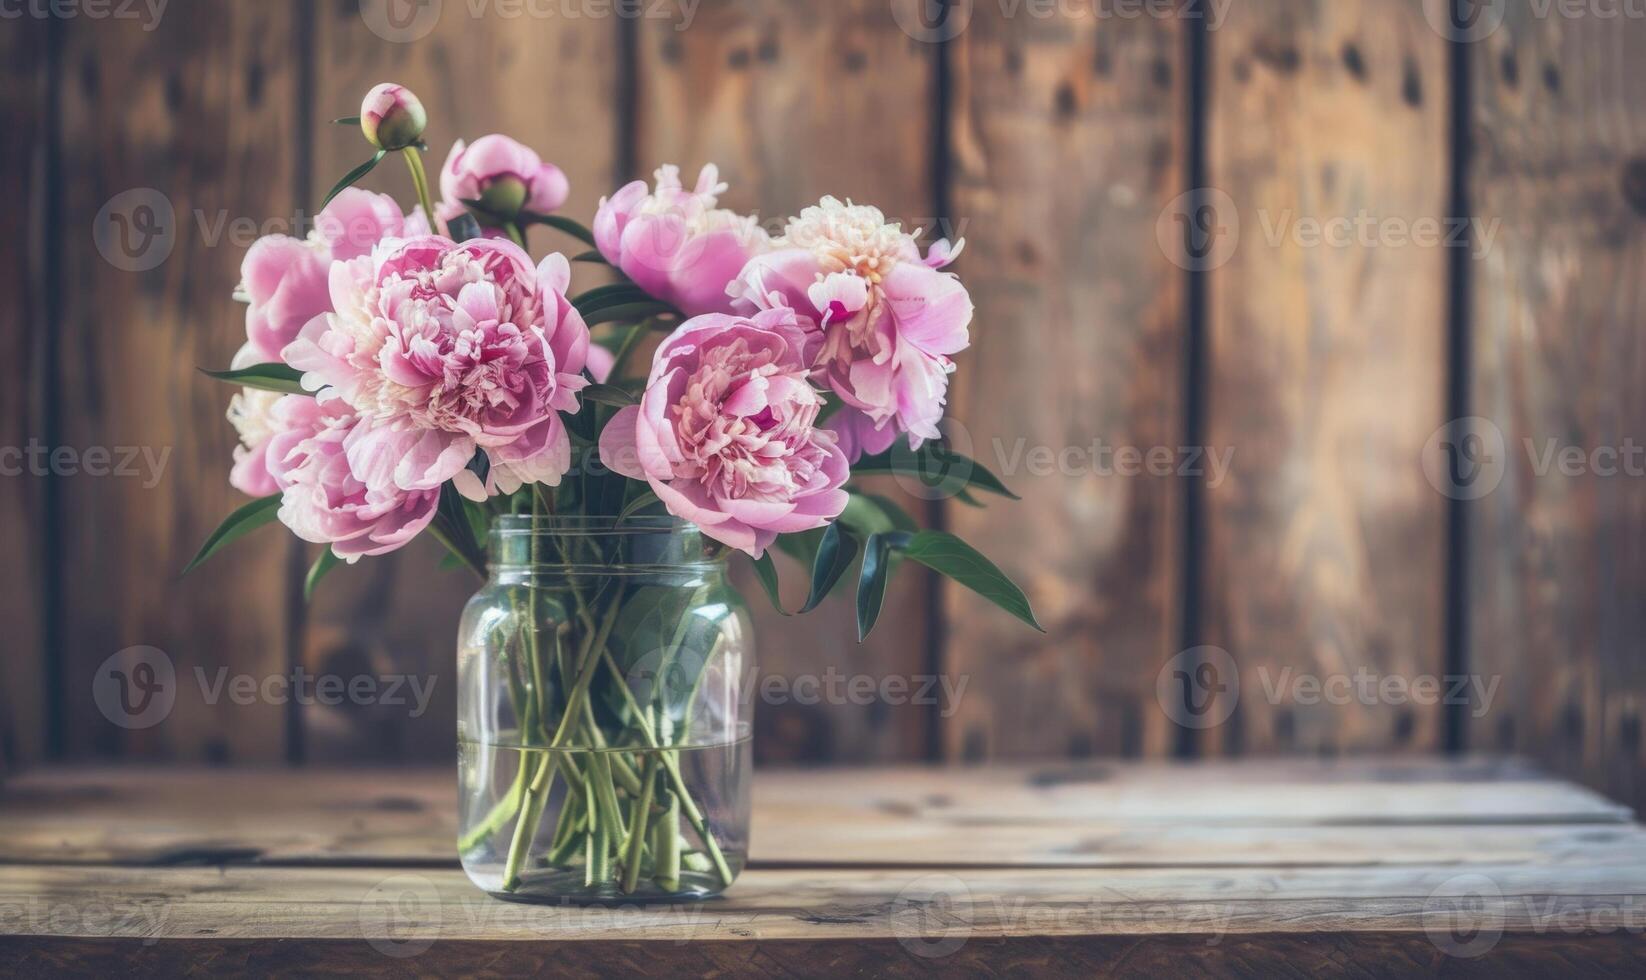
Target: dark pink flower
726, 431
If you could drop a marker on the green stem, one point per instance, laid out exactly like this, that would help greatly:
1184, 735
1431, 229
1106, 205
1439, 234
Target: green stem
672, 765
442, 535
637, 828
420, 180
666, 847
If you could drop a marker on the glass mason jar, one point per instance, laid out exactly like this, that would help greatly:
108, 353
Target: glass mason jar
604, 713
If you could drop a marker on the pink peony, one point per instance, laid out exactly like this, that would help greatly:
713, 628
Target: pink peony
323, 499
446, 349
392, 117
889, 319
285, 278
725, 432
502, 174
674, 243
251, 412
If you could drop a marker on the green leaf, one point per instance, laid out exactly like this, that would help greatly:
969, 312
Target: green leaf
592, 255
948, 555
346, 121
868, 513
238, 524
835, 553
942, 470
609, 295
354, 175
558, 223
609, 395
626, 312
871, 581
265, 377
327, 561
767, 573
801, 545
636, 505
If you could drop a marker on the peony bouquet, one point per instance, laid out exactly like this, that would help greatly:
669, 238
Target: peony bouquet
410, 372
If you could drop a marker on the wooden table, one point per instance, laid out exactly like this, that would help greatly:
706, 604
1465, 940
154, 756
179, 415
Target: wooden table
1369, 867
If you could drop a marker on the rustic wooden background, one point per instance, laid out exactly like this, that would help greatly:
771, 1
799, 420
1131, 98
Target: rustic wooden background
1058, 139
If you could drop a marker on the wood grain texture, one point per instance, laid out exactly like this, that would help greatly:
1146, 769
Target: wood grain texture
1120, 956
1066, 144
23, 329
548, 81
793, 102
343, 884
1281, 814
1325, 545
176, 143
1557, 553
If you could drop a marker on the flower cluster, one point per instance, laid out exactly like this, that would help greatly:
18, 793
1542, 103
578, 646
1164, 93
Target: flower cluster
392, 357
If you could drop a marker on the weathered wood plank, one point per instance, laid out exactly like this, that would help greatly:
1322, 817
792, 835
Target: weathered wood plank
1122, 956
848, 904
177, 139
1327, 128
1556, 556
549, 82
23, 332
795, 101
1066, 144
1276, 814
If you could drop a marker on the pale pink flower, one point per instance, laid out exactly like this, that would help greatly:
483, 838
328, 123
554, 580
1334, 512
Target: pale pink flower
675, 243
446, 349
285, 279
890, 320
251, 412
391, 117
322, 499
726, 431
506, 176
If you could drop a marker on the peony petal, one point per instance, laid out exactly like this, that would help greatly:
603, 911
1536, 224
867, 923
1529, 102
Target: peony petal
617, 444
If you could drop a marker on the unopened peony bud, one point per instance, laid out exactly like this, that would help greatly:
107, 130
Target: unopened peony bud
392, 117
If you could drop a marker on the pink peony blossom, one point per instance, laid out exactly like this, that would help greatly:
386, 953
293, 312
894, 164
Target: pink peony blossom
391, 117
446, 349
285, 278
725, 432
322, 499
502, 174
251, 412
889, 319
674, 243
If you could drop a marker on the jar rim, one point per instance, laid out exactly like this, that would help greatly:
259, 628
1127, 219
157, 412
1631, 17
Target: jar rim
584, 524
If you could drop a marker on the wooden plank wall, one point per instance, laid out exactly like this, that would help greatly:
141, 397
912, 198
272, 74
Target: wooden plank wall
1067, 141
23, 357
1062, 144
1325, 545
1557, 550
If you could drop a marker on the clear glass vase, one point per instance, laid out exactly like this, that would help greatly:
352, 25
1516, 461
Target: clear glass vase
604, 714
